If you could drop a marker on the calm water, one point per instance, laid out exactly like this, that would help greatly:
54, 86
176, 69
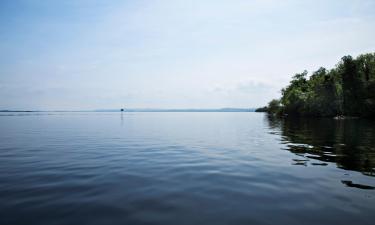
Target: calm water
184, 168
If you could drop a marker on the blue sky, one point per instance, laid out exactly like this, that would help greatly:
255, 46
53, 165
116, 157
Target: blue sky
93, 54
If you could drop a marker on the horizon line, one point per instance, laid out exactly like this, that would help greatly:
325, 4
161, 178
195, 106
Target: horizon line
225, 109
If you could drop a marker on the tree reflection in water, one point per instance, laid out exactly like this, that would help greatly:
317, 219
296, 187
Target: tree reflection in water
349, 143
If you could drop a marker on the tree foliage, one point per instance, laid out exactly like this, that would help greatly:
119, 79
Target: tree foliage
348, 90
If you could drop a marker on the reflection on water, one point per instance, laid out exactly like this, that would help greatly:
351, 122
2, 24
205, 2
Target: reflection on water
348, 143
360, 186
184, 168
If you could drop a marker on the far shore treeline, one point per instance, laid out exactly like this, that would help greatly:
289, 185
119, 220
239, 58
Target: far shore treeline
346, 90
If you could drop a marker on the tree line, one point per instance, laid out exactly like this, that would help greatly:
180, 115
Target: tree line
346, 90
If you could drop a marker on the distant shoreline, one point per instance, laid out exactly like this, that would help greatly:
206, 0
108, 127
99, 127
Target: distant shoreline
137, 110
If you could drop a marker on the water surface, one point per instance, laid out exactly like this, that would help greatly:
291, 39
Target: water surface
184, 168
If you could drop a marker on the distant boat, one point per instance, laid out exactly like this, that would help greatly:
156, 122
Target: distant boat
122, 110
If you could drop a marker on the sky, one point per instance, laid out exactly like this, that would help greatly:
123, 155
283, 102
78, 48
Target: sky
105, 54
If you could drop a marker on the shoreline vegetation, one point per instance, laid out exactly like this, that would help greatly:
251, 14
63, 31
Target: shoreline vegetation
346, 91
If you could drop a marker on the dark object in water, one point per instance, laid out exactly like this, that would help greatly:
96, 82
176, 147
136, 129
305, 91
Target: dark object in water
122, 110
361, 186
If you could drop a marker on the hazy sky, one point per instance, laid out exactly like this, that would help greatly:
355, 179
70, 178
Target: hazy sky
170, 53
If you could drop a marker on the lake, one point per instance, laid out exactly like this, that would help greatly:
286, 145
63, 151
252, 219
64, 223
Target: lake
185, 168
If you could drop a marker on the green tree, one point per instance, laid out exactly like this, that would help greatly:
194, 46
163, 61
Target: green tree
366, 68
274, 106
323, 99
348, 89
294, 96
352, 87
